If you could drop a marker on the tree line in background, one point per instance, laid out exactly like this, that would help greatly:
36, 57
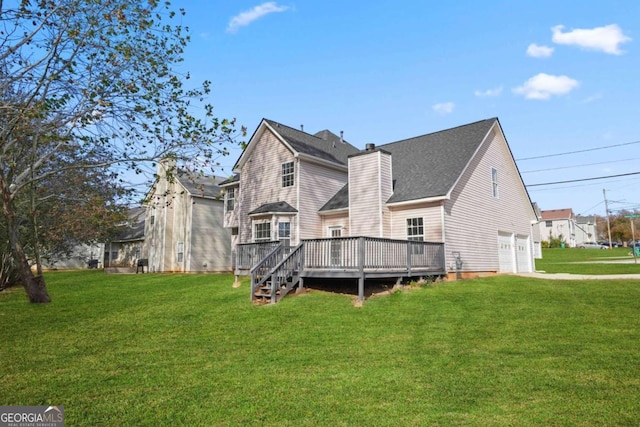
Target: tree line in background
90, 94
620, 227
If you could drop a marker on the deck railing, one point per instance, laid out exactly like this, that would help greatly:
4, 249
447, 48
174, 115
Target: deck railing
250, 254
352, 253
371, 253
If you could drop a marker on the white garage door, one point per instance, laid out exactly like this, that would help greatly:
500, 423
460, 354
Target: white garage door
523, 254
506, 253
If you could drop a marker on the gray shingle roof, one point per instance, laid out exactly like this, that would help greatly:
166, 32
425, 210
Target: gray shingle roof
200, 185
279, 207
135, 229
323, 145
339, 201
427, 166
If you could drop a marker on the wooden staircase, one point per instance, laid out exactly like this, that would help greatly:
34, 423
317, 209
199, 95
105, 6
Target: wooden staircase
276, 274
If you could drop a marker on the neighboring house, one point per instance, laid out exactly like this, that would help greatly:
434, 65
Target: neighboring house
458, 189
183, 225
559, 224
126, 248
537, 238
585, 229
78, 259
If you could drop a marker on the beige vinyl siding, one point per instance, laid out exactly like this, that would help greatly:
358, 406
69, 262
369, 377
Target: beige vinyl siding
369, 189
210, 243
386, 191
473, 213
335, 220
178, 231
317, 185
261, 181
431, 214
231, 217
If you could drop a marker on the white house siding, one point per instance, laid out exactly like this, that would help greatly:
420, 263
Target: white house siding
317, 185
179, 230
369, 188
209, 246
231, 217
78, 258
472, 213
335, 220
262, 182
431, 214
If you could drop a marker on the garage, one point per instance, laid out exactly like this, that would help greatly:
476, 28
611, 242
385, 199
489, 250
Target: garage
523, 254
506, 253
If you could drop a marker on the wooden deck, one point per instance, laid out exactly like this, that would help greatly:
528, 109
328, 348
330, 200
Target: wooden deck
275, 268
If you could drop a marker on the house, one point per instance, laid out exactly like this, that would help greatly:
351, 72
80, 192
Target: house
585, 229
447, 203
125, 249
183, 224
559, 224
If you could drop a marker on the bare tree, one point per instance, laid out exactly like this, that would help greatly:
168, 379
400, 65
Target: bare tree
98, 82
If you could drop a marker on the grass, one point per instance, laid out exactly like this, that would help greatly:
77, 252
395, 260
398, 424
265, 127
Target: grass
588, 261
191, 350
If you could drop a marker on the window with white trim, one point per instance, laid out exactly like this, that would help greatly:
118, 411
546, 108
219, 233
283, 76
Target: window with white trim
231, 198
284, 233
494, 182
415, 229
287, 174
415, 233
180, 251
262, 232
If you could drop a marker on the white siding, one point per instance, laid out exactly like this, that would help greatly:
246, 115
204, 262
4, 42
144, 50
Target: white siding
370, 186
473, 217
335, 220
261, 182
210, 243
317, 185
431, 214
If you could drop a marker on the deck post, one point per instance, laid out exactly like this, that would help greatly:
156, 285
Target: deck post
409, 250
361, 254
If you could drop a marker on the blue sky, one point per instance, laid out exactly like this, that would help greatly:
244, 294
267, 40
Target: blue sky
562, 76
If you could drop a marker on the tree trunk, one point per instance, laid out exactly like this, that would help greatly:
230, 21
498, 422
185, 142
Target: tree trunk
34, 285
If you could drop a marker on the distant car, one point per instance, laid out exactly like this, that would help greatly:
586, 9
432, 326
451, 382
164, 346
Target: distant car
592, 245
613, 244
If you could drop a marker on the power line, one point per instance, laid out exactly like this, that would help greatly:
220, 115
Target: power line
579, 166
582, 180
578, 151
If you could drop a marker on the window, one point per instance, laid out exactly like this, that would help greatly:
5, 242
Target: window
231, 198
262, 232
548, 223
284, 233
415, 229
153, 219
180, 251
287, 174
415, 232
494, 181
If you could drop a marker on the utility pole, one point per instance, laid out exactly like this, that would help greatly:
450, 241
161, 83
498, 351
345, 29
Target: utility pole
606, 211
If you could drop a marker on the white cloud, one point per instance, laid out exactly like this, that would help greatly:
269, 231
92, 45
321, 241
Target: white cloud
489, 92
536, 51
606, 39
444, 107
248, 16
592, 98
544, 86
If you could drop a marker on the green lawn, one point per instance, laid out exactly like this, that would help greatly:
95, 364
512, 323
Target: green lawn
191, 350
588, 261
